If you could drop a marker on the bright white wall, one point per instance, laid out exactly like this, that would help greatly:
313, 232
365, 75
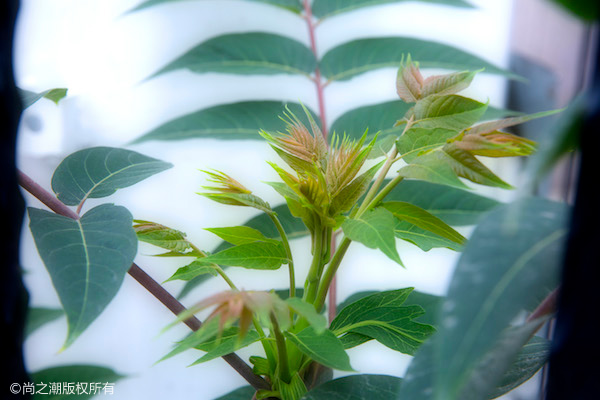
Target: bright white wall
103, 57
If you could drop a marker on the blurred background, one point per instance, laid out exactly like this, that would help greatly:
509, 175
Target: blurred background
105, 56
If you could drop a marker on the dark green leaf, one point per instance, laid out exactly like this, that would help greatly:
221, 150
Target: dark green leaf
193, 270
327, 8
454, 206
382, 316
359, 56
448, 112
292, 5
227, 121
357, 387
293, 227
248, 53
164, 237
510, 263
87, 259
29, 98
242, 393
417, 216
101, 171
374, 118
39, 316
588, 10
88, 375
374, 229
226, 343
255, 255
325, 348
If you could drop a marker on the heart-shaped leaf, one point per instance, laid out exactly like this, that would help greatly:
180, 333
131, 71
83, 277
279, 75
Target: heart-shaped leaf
87, 259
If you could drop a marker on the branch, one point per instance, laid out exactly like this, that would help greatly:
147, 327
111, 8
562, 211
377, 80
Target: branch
145, 280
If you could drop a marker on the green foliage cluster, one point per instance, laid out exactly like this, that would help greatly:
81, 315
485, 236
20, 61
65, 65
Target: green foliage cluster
464, 344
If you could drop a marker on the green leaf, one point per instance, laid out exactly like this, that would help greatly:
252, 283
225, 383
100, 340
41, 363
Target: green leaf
193, 270
307, 311
241, 393
511, 262
374, 229
291, 5
447, 84
532, 357
325, 348
454, 206
449, 112
417, 216
240, 235
239, 199
255, 255
357, 387
374, 118
328, 8
39, 316
491, 126
227, 121
293, 390
382, 316
588, 10
165, 238
207, 331
29, 98
359, 56
446, 164
228, 342
423, 239
349, 195
248, 53
88, 375
293, 227
418, 141
87, 259
101, 171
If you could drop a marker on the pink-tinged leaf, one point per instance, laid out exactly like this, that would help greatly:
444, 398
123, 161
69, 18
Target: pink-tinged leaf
496, 144
491, 126
447, 84
409, 82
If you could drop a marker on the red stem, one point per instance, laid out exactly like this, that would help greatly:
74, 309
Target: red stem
145, 280
318, 81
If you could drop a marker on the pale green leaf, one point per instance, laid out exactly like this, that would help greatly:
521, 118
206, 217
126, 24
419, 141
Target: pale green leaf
357, 387
164, 237
100, 171
239, 199
248, 53
447, 84
192, 270
29, 98
240, 235
491, 126
417, 141
329, 8
227, 121
307, 311
359, 56
374, 229
324, 348
423, 239
207, 331
87, 259
255, 255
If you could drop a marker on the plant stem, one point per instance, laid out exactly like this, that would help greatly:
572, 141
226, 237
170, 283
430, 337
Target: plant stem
288, 251
315, 268
284, 364
318, 81
146, 281
330, 273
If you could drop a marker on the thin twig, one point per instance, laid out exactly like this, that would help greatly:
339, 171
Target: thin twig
145, 280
